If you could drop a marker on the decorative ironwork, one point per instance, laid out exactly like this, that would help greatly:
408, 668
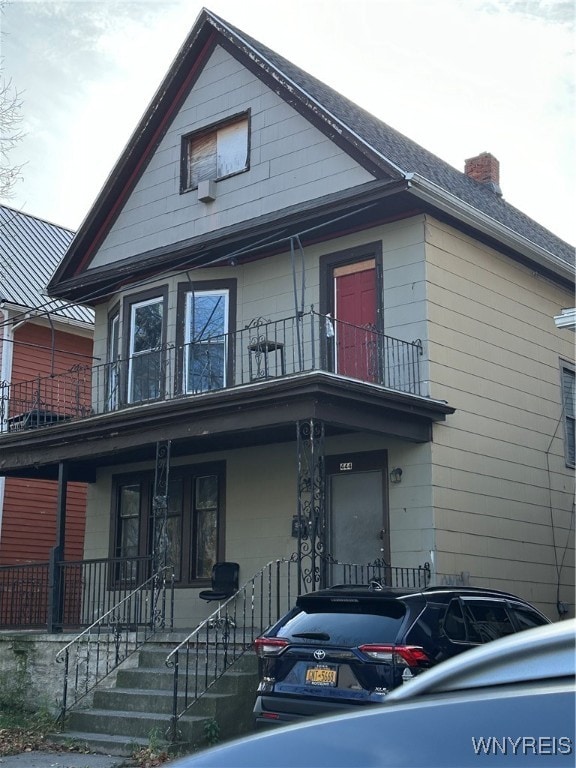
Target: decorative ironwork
160, 505
265, 349
225, 636
378, 574
113, 637
266, 342
312, 523
160, 528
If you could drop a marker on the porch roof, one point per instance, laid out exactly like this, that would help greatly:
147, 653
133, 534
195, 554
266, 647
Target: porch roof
254, 414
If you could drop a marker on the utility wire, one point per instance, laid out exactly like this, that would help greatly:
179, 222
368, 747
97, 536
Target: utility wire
190, 264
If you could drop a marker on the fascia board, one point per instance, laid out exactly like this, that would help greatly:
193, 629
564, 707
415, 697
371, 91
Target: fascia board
291, 85
440, 198
20, 314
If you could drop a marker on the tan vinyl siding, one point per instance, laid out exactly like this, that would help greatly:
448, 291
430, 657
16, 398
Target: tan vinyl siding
498, 463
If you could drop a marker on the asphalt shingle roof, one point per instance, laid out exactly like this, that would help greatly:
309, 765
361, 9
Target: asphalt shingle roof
409, 156
385, 150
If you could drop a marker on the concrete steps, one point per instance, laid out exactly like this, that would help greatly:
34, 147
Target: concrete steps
136, 712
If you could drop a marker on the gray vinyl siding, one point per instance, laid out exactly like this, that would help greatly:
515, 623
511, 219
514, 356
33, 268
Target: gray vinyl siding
265, 288
290, 162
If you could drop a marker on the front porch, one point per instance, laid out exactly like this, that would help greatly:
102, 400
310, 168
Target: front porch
64, 596
280, 413
129, 668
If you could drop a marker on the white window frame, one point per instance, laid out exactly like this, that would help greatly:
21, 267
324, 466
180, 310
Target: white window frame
132, 355
113, 378
190, 297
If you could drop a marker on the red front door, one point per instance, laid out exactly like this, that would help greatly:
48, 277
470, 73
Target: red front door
355, 314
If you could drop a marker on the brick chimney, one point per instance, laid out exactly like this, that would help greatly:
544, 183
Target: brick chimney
486, 169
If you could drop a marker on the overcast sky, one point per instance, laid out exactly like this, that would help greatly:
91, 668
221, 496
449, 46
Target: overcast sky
458, 76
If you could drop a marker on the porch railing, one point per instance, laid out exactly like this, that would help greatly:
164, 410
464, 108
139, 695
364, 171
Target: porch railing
24, 595
200, 660
116, 635
69, 594
263, 350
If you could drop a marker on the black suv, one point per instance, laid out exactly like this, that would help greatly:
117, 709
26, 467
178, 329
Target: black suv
350, 645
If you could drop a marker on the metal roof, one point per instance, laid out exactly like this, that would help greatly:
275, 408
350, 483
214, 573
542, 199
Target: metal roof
30, 251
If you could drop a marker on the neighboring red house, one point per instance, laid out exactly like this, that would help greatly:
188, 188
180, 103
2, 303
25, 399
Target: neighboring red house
39, 337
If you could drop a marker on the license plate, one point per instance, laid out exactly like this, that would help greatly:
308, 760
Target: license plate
321, 675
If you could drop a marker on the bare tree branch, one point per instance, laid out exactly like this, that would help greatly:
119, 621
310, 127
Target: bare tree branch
10, 130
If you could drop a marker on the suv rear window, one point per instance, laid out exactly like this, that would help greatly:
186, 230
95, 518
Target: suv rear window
344, 623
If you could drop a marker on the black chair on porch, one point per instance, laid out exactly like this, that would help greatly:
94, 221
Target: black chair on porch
224, 583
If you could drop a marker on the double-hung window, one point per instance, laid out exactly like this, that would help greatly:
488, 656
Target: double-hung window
215, 152
205, 340
113, 372
145, 352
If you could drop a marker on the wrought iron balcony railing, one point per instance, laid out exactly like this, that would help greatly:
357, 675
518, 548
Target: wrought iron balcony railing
262, 351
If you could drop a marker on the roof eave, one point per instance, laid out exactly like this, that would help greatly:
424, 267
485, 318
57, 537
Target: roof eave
146, 132
308, 99
435, 195
28, 314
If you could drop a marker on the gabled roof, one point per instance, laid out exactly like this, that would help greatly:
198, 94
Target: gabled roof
385, 152
30, 251
409, 158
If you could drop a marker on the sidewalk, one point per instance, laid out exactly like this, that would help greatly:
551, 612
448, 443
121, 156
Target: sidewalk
63, 760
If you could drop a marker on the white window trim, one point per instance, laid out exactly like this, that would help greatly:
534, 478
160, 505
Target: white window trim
225, 293
131, 354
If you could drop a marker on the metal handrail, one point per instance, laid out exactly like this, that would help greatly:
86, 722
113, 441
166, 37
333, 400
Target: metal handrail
222, 638
114, 636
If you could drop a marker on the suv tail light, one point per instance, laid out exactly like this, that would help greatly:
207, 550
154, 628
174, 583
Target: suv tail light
408, 655
269, 646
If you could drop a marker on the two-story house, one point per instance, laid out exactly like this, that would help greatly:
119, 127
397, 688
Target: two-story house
40, 338
313, 338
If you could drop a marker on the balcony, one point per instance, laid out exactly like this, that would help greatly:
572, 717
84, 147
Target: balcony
263, 351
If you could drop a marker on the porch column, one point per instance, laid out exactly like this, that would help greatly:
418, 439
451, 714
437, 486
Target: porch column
55, 578
311, 527
160, 506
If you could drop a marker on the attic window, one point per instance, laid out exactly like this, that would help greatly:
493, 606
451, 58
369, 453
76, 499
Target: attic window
215, 153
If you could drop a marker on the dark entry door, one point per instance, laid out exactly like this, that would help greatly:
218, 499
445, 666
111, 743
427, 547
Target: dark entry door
355, 312
358, 508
